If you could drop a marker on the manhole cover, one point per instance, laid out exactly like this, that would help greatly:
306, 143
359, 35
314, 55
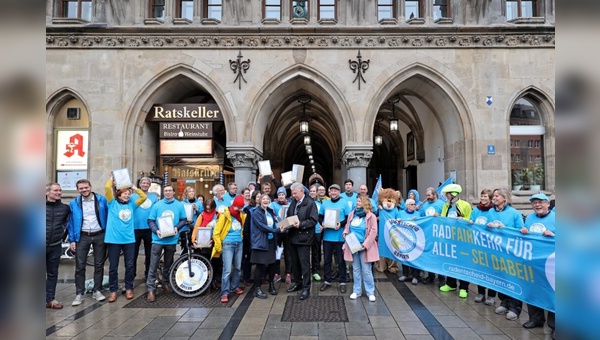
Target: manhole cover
163, 300
315, 309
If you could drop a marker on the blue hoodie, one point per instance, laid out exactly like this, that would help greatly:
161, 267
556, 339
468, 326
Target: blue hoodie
417, 198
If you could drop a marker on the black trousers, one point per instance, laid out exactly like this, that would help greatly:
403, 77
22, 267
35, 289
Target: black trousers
142, 236
259, 273
315, 251
481, 290
450, 281
510, 303
301, 264
536, 314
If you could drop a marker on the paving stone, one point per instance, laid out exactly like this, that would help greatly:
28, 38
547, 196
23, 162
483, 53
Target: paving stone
450, 321
388, 333
359, 329
305, 329
150, 334
182, 329
463, 333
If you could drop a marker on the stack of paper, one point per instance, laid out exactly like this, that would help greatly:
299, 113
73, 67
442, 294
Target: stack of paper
353, 243
122, 179
165, 225
288, 223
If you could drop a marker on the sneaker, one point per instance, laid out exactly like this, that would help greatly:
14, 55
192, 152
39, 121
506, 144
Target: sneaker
224, 299
78, 300
415, 281
317, 277
288, 278
276, 278
98, 296
511, 316
479, 298
446, 288
463, 293
500, 310
372, 298
354, 296
402, 278
490, 301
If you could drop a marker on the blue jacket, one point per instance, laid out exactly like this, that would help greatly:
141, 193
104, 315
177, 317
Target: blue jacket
259, 230
76, 218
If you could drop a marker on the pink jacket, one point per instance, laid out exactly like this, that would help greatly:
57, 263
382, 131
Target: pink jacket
371, 252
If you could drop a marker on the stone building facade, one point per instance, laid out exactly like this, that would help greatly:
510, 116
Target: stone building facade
437, 86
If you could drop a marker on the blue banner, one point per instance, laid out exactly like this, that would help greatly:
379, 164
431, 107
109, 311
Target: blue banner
518, 265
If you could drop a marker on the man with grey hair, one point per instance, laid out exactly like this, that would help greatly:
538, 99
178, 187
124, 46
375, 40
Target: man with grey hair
232, 189
219, 192
301, 237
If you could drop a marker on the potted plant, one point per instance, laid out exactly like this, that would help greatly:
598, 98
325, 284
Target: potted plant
525, 178
537, 177
517, 182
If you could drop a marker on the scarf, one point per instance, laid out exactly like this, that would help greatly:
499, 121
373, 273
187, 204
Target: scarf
207, 217
360, 212
485, 207
236, 214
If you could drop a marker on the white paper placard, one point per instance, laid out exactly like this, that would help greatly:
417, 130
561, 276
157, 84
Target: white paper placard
165, 225
297, 172
353, 243
264, 168
189, 211
283, 211
286, 178
331, 218
122, 179
203, 237
288, 223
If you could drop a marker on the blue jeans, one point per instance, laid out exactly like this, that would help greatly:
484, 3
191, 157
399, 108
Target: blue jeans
52, 260
232, 266
114, 252
362, 272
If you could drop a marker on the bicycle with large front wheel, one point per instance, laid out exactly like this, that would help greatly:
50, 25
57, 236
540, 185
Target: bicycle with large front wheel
191, 274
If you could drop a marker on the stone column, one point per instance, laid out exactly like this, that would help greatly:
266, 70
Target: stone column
356, 161
244, 160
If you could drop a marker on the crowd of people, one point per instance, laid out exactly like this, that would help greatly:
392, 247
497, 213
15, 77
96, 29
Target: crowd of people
245, 235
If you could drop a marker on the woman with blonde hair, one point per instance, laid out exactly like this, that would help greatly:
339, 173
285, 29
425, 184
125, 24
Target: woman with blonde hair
363, 223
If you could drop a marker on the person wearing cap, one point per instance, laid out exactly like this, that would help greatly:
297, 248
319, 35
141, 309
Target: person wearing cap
252, 186
282, 239
414, 194
349, 194
227, 238
505, 216
410, 213
301, 237
455, 208
481, 214
541, 221
333, 241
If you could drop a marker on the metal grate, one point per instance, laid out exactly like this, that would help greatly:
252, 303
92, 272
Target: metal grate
315, 309
171, 300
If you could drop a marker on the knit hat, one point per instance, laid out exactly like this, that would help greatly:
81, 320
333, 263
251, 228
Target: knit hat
238, 202
281, 190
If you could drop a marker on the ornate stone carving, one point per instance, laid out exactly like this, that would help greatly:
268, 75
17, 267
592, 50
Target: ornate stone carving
354, 159
243, 159
66, 38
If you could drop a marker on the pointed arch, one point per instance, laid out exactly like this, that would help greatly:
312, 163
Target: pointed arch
154, 85
441, 95
54, 103
287, 82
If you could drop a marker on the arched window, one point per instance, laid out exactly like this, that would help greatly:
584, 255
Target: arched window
527, 130
71, 138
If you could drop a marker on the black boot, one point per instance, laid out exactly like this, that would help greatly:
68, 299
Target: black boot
272, 289
259, 293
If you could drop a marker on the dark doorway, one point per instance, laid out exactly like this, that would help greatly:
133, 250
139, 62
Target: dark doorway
411, 178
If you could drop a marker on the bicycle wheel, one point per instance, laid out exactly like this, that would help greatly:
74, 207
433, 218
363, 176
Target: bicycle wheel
182, 283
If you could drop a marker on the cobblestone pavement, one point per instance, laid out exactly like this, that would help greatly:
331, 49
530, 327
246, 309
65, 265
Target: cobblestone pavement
401, 311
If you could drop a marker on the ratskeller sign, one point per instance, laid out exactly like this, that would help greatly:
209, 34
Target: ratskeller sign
185, 113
